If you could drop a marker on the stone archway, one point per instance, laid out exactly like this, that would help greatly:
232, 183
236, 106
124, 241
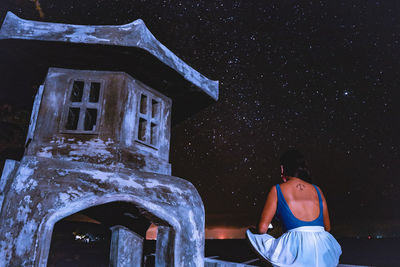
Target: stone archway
130, 233
49, 190
92, 237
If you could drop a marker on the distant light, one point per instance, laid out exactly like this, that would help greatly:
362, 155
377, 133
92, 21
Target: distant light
221, 236
82, 238
86, 238
223, 232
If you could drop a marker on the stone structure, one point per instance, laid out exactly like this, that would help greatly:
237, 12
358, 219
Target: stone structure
98, 143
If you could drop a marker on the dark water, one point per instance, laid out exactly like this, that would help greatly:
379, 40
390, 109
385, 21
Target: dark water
66, 251
375, 252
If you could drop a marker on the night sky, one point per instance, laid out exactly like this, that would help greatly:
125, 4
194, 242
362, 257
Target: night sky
319, 76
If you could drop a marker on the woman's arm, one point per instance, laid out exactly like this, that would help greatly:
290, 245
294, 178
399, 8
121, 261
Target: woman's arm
268, 211
327, 222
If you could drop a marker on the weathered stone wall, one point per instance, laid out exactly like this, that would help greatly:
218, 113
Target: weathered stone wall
46, 190
114, 140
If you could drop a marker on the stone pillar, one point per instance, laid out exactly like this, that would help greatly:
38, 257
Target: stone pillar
126, 248
165, 246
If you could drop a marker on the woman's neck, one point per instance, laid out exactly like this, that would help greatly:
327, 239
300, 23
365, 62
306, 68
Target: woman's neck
289, 178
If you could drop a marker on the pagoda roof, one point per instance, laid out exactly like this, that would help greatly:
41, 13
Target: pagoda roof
34, 46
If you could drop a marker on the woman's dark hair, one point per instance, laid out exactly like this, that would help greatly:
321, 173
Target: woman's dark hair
295, 165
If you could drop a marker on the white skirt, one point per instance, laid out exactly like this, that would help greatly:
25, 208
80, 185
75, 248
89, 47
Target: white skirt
304, 246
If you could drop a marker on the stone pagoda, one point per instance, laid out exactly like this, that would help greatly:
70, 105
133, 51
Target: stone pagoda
99, 140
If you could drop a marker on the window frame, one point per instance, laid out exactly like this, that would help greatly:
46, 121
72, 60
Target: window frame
157, 120
83, 105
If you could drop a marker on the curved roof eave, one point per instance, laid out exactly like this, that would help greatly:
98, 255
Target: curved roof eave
134, 34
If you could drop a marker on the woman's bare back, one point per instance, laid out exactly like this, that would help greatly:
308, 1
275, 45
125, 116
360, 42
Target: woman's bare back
302, 199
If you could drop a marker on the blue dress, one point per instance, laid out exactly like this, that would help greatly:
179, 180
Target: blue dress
305, 243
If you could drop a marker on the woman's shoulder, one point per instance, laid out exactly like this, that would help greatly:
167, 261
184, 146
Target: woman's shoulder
276, 187
316, 186
273, 190
320, 191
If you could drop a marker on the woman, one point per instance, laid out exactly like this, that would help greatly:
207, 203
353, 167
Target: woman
301, 207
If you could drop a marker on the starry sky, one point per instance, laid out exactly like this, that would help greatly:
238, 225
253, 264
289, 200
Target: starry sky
321, 76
